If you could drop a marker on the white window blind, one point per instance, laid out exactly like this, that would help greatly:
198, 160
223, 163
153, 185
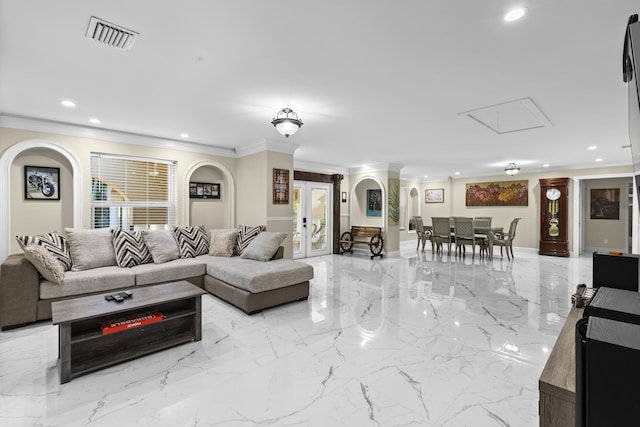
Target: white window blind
131, 192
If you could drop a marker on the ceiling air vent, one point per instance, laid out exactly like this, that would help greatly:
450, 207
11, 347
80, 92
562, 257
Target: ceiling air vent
110, 34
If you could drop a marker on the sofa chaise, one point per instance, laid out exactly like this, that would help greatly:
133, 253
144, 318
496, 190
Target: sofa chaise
255, 280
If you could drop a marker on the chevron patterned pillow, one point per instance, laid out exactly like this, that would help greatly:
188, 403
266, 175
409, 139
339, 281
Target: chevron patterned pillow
54, 242
130, 248
245, 236
192, 241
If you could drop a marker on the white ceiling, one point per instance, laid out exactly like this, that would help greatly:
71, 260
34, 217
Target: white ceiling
373, 81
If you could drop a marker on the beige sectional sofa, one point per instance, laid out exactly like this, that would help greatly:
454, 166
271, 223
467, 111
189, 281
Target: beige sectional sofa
249, 284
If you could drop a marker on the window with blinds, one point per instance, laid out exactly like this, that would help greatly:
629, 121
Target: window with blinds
131, 192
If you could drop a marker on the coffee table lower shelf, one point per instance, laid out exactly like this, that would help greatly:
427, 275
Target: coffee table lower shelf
84, 349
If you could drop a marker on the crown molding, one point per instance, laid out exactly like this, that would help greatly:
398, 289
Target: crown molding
377, 167
301, 165
285, 147
52, 126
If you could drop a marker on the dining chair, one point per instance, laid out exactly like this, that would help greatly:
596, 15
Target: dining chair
482, 221
441, 232
464, 233
422, 233
505, 240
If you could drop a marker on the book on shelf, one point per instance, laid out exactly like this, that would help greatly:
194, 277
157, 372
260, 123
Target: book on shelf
133, 322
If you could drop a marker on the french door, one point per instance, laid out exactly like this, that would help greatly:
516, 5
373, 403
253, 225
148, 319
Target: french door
311, 219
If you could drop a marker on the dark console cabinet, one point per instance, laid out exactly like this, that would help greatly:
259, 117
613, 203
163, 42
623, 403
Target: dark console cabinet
616, 271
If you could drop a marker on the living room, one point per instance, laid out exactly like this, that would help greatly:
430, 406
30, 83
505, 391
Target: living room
383, 99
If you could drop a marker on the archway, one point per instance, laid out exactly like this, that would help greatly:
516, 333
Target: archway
228, 178
6, 161
358, 199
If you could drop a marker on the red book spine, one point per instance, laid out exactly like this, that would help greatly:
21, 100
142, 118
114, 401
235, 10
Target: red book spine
135, 322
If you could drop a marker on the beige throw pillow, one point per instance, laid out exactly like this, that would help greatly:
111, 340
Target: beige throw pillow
45, 262
264, 246
91, 248
162, 245
223, 242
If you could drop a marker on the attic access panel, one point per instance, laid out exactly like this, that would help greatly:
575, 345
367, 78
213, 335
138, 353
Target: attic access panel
513, 116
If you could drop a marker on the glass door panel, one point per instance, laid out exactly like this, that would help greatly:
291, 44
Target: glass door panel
311, 219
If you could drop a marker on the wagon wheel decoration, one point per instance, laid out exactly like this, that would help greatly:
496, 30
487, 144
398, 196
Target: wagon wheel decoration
376, 245
344, 245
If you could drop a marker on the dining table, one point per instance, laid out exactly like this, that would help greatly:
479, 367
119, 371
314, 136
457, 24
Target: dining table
482, 231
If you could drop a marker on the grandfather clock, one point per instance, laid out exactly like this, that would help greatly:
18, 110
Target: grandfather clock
554, 198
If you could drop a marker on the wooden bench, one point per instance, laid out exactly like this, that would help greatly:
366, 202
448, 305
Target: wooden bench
365, 235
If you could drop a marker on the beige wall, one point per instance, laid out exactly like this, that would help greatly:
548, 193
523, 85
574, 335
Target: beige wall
212, 213
528, 231
255, 194
43, 217
280, 216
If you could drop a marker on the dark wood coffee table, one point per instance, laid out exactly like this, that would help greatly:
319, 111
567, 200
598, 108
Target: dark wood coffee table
82, 346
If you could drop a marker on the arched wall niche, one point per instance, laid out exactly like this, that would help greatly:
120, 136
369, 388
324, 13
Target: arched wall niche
358, 205
212, 213
19, 216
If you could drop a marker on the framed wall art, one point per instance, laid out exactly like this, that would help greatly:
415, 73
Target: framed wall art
280, 186
41, 183
605, 203
434, 195
503, 193
204, 190
374, 202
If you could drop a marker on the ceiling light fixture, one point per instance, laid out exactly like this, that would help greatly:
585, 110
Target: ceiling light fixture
512, 169
515, 14
184, 135
68, 103
94, 120
287, 122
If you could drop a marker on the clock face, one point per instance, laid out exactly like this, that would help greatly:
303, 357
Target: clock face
553, 194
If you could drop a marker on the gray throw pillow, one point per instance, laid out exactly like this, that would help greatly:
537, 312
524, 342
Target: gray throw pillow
264, 246
45, 262
223, 242
91, 248
162, 245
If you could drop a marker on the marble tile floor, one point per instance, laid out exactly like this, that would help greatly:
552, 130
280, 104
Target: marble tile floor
412, 340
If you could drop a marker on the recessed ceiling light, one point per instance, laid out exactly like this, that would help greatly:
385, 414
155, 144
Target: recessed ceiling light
68, 103
599, 160
94, 120
184, 135
546, 165
426, 176
457, 173
515, 14
592, 147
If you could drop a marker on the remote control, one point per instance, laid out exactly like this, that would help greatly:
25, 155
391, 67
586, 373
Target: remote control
118, 298
108, 297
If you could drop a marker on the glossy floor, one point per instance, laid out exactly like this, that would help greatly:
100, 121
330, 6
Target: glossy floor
413, 340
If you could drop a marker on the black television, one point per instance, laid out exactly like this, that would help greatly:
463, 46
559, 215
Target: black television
630, 63
616, 271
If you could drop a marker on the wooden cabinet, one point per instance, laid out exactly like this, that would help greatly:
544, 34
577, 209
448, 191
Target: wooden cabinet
554, 200
557, 384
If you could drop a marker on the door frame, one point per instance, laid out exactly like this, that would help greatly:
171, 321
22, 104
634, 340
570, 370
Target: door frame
334, 179
579, 211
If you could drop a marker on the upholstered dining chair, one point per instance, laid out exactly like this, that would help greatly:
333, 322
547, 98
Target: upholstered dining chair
482, 221
422, 233
506, 239
464, 233
441, 232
